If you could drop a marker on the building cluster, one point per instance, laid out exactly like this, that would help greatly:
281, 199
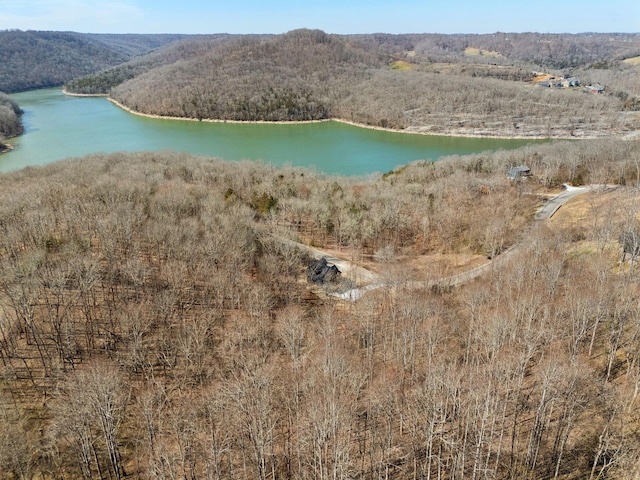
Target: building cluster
547, 80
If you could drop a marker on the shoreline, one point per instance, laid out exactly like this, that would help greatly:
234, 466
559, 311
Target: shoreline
210, 120
71, 94
338, 120
411, 130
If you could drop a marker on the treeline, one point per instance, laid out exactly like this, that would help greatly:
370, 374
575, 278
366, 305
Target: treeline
156, 323
550, 51
10, 117
132, 45
426, 82
38, 59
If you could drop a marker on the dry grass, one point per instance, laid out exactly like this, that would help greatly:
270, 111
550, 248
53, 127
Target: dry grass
402, 65
542, 77
472, 52
441, 265
584, 209
593, 222
632, 60
573, 213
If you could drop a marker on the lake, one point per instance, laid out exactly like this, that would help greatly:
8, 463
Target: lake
59, 126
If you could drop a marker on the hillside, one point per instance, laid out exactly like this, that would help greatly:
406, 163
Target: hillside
10, 113
448, 84
184, 50
38, 59
291, 77
133, 45
157, 320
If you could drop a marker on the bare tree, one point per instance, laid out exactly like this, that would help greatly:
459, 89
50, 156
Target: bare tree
91, 406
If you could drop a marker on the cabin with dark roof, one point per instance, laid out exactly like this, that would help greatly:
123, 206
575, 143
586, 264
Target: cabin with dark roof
518, 172
319, 271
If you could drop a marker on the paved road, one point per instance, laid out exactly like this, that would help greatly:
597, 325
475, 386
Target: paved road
554, 204
359, 274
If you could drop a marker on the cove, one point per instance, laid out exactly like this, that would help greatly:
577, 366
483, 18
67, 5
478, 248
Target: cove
58, 126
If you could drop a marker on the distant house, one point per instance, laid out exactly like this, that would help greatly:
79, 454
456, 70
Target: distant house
570, 82
595, 88
518, 172
552, 81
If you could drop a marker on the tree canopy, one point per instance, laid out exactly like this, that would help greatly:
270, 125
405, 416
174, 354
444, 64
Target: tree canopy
10, 113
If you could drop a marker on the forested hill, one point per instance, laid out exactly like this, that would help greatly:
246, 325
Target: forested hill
297, 76
157, 323
545, 51
181, 51
454, 84
36, 59
10, 113
134, 44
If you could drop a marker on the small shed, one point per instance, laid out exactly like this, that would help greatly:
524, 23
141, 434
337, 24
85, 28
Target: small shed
518, 172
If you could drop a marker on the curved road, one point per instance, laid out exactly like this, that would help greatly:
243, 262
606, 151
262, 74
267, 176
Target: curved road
554, 204
361, 274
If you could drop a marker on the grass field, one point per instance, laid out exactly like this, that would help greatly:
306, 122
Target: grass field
402, 66
472, 52
632, 60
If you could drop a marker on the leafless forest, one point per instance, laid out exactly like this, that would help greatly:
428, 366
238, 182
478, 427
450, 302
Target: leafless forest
156, 318
156, 324
10, 113
39, 59
461, 84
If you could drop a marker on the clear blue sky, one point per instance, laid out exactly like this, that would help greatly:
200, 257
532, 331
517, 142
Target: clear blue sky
332, 16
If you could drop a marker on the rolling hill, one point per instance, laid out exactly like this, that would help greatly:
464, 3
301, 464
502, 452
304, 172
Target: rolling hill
37, 59
158, 321
446, 85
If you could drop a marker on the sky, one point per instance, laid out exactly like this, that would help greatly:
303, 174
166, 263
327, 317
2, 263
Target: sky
332, 16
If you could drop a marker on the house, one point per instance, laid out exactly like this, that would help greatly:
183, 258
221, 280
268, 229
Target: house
570, 82
595, 88
319, 271
552, 81
521, 171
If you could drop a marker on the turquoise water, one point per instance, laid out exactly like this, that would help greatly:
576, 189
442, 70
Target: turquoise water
58, 126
